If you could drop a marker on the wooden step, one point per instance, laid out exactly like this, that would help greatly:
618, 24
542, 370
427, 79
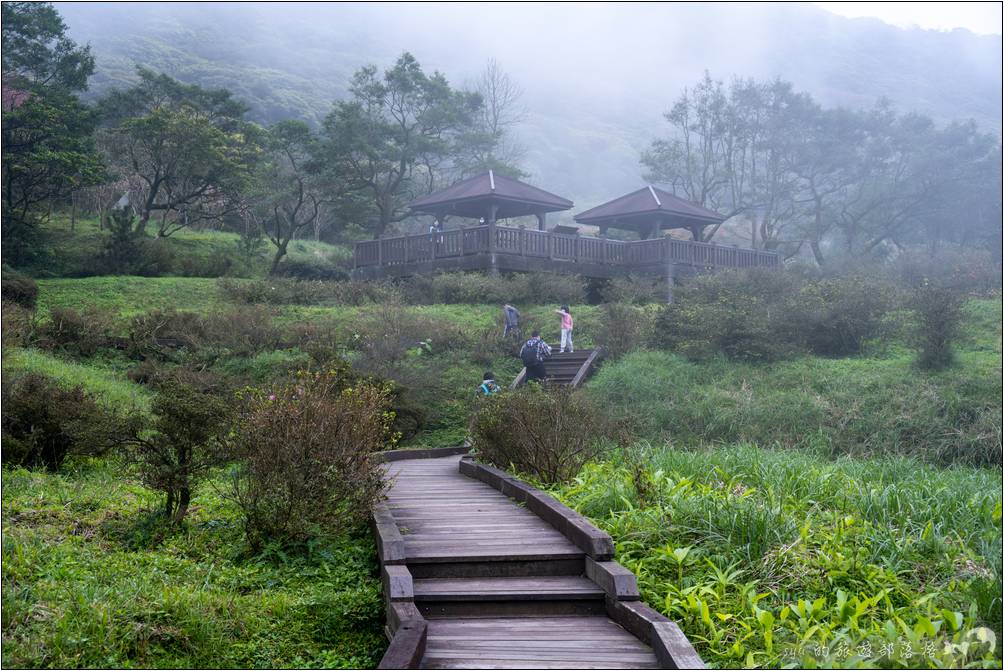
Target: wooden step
509, 597
573, 566
548, 588
534, 642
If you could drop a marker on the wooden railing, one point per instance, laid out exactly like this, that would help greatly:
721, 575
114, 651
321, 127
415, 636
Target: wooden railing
574, 248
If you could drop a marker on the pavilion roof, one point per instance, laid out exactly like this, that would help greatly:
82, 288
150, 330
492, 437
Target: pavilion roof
645, 205
472, 196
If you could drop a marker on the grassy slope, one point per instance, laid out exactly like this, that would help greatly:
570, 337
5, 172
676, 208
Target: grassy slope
880, 509
88, 582
860, 405
196, 252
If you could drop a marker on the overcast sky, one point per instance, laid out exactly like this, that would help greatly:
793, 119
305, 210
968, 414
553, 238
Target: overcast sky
983, 18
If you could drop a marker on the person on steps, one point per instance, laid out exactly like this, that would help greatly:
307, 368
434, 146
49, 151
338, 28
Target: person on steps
511, 320
566, 328
533, 354
488, 386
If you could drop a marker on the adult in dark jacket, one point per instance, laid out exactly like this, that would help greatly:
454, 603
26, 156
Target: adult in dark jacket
533, 353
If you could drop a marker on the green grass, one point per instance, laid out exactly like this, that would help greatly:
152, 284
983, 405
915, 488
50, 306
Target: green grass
862, 405
90, 579
782, 557
104, 379
204, 253
129, 296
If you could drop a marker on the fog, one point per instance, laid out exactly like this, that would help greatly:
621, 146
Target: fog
597, 77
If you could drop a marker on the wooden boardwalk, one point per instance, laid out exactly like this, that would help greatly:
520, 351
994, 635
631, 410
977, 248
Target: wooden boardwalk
493, 585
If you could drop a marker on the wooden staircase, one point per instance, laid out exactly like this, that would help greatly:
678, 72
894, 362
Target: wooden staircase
492, 585
568, 369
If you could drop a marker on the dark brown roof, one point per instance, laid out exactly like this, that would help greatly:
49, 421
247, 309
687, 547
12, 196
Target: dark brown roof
646, 204
472, 196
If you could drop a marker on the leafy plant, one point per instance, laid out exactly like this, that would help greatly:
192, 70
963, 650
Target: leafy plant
182, 447
305, 458
547, 434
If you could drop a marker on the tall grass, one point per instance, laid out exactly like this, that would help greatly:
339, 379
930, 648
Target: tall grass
863, 406
721, 536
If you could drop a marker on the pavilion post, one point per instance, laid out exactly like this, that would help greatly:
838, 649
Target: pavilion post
492, 242
542, 221
670, 280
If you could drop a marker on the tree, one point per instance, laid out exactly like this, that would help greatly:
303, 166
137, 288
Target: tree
291, 186
489, 143
183, 445
189, 146
48, 148
392, 139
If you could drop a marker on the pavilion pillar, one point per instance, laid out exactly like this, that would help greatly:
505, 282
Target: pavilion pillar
493, 268
656, 228
697, 232
603, 231
542, 221
670, 281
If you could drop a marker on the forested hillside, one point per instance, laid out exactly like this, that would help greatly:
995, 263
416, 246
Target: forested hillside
593, 104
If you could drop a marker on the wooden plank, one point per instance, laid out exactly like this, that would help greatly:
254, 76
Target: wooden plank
672, 649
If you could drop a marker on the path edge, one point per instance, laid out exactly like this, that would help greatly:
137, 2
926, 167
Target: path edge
623, 602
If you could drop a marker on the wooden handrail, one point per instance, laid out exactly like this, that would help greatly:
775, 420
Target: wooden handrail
573, 248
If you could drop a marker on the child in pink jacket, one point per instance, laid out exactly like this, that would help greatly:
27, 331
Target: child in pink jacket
566, 328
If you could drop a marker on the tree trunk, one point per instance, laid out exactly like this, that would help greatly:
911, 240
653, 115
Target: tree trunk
169, 507
280, 252
817, 253
184, 498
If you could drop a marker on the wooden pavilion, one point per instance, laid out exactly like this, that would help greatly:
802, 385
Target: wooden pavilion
490, 197
648, 212
488, 246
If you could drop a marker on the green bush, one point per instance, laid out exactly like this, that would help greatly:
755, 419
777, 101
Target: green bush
305, 458
738, 313
182, 446
836, 316
624, 328
17, 288
480, 288
939, 312
274, 291
635, 290
44, 422
311, 268
19, 325
78, 332
547, 434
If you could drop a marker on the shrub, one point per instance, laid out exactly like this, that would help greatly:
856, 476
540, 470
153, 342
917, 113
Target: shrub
246, 329
361, 293
182, 446
635, 290
311, 268
43, 422
479, 288
18, 289
737, 313
274, 291
938, 326
305, 452
386, 336
623, 328
82, 333
547, 434
967, 270
19, 324
836, 316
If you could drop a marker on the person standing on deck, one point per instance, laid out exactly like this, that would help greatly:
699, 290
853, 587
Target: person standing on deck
511, 320
533, 354
566, 328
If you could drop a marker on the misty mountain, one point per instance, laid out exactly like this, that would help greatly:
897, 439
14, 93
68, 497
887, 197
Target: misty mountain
597, 77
